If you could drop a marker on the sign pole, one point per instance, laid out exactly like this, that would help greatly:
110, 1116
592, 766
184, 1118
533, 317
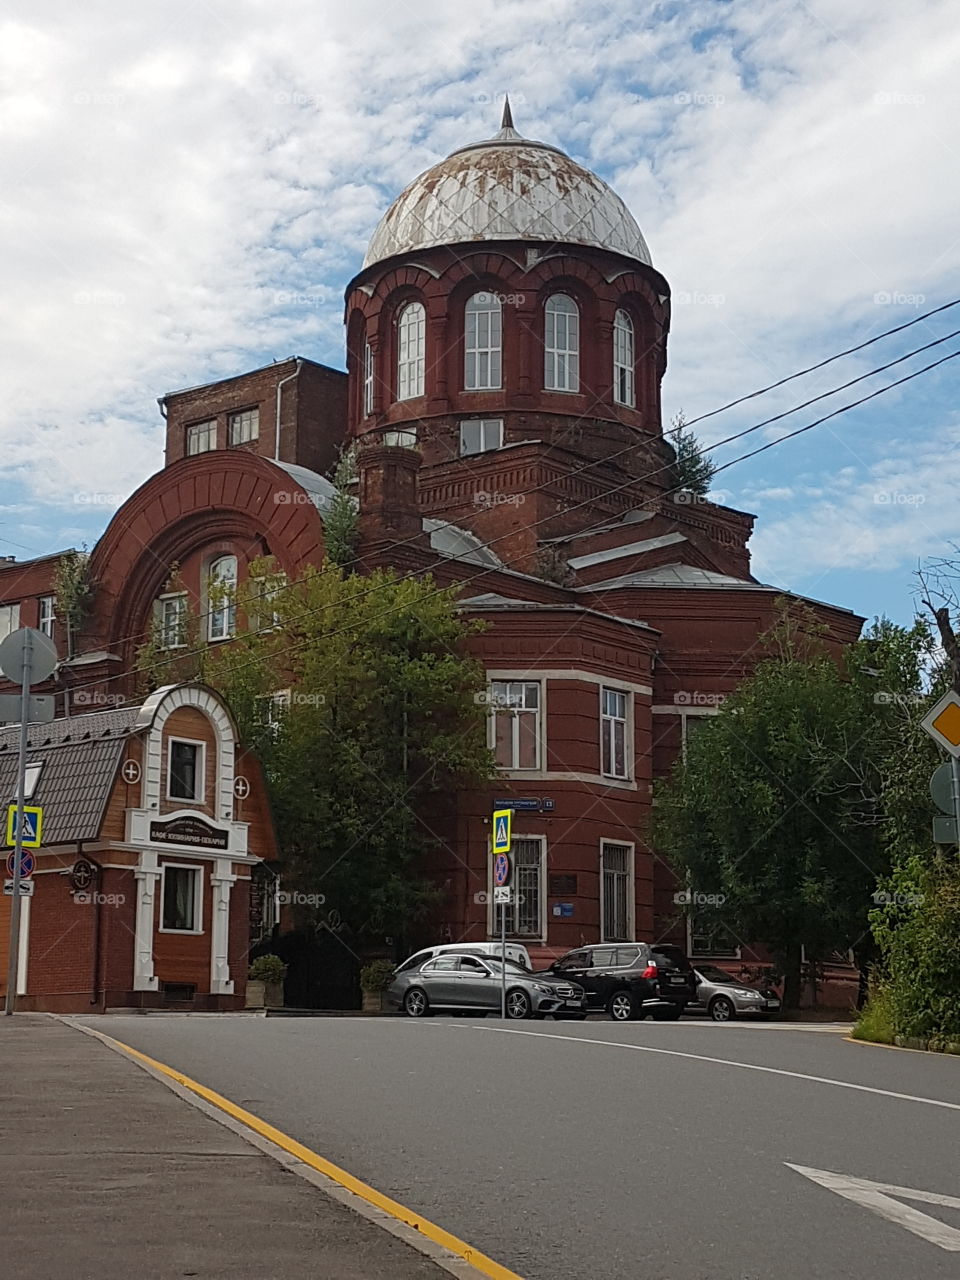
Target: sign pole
13, 958
503, 961
955, 771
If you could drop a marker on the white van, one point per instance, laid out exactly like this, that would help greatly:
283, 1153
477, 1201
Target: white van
515, 951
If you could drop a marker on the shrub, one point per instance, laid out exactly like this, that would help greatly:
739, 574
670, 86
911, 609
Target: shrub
875, 1022
377, 975
267, 969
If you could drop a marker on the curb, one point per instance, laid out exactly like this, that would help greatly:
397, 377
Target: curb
460, 1260
907, 1044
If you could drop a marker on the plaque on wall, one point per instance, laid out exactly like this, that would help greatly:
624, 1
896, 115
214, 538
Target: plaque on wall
189, 830
563, 885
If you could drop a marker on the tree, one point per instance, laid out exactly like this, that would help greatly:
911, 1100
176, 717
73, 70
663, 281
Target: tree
359, 698
693, 470
341, 522
777, 811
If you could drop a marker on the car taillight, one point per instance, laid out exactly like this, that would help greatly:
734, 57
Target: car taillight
650, 971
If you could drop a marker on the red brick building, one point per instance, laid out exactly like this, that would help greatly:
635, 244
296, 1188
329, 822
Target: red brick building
506, 342
154, 819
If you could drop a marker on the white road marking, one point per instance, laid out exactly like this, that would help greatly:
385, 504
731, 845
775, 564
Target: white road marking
723, 1062
876, 1196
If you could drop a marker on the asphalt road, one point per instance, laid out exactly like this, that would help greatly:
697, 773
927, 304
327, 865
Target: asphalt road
646, 1151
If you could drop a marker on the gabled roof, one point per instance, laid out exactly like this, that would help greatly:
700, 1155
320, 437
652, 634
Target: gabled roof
629, 549
73, 788
491, 601
680, 575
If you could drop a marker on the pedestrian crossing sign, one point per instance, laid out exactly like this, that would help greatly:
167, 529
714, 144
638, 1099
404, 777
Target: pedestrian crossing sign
31, 829
502, 824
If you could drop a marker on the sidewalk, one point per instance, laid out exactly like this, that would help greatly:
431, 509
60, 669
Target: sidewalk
105, 1174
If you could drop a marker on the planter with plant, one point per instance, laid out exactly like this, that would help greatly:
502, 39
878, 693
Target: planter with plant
265, 983
375, 977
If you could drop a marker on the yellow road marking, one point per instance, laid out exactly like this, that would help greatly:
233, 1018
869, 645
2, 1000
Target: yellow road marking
486, 1266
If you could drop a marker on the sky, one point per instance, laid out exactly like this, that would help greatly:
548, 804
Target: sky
186, 188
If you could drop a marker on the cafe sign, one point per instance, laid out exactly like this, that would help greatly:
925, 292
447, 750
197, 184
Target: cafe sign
189, 831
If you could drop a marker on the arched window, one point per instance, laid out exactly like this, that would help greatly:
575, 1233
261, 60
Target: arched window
623, 360
411, 347
221, 598
482, 343
367, 379
561, 344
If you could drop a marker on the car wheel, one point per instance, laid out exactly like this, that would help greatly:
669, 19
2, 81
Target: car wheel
623, 1006
415, 1003
518, 1004
721, 1009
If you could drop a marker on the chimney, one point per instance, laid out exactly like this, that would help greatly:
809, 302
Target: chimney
388, 495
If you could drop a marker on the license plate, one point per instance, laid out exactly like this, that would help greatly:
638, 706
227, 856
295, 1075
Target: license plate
772, 1004
679, 982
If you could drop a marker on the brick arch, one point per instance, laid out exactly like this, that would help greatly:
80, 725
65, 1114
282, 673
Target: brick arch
234, 501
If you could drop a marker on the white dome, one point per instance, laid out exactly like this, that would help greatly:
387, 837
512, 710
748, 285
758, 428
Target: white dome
507, 188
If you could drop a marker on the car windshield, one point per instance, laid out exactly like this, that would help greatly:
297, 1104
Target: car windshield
713, 974
512, 965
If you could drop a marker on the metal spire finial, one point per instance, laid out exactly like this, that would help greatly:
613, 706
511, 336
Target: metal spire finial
507, 121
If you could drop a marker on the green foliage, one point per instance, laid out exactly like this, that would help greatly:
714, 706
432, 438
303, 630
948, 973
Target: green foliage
693, 470
74, 592
875, 1022
267, 969
377, 975
340, 524
781, 805
380, 725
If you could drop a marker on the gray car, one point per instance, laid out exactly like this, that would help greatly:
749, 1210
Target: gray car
472, 984
724, 998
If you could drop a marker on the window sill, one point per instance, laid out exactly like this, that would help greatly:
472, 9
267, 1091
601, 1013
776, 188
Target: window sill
185, 799
183, 933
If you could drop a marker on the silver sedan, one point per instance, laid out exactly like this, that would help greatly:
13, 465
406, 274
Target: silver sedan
472, 984
724, 998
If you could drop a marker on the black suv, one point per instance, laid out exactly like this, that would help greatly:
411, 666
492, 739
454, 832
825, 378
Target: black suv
631, 979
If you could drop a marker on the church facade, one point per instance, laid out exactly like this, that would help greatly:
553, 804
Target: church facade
506, 340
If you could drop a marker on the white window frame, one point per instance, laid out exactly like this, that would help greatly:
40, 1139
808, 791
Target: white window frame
243, 426
227, 607
9, 618
47, 615
561, 343
31, 778
201, 771
265, 589
492, 915
367, 379
624, 360
489, 432
498, 707
411, 350
483, 343
159, 605
209, 433
197, 898
631, 920
707, 955
607, 723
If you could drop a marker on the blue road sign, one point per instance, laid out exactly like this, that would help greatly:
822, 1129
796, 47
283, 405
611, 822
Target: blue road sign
501, 870
27, 864
502, 826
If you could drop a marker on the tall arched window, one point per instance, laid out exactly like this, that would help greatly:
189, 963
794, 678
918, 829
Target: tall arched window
367, 379
561, 344
221, 598
411, 348
623, 360
482, 343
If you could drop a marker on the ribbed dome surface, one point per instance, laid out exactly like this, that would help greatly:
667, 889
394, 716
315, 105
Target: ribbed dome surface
507, 188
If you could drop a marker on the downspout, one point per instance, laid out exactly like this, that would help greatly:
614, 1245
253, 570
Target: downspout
280, 386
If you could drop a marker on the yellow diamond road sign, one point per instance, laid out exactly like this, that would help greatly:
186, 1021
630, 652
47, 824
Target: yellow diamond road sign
32, 826
942, 722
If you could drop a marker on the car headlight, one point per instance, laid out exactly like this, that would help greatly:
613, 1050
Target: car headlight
547, 991
747, 995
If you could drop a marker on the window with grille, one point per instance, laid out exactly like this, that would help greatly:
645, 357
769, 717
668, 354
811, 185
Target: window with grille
480, 435
201, 437
221, 591
524, 913
411, 351
617, 860
244, 427
171, 620
367, 379
47, 617
515, 723
561, 344
708, 936
613, 733
482, 342
623, 359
